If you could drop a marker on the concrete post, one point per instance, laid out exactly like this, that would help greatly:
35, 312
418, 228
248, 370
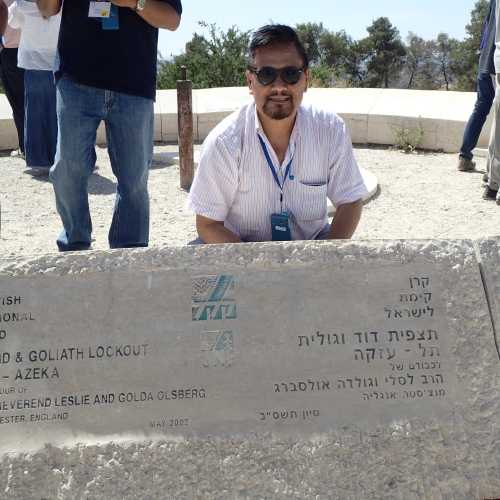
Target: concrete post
185, 129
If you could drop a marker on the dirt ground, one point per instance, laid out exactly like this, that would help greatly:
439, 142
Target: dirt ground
421, 195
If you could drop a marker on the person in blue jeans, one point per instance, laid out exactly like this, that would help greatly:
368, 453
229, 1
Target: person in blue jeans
107, 71
485, 93
36, 55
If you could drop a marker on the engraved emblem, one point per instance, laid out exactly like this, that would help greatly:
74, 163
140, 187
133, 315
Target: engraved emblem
213, 298
217, 348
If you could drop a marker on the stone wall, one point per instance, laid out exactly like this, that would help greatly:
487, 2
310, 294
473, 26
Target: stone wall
373, 116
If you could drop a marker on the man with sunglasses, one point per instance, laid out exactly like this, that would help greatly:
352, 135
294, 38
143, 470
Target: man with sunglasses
267, 170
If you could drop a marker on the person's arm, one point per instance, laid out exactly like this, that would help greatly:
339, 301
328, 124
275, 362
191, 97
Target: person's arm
213, 231
49, 7
156, 13
345, 221
346, 187
4, 13
214, 189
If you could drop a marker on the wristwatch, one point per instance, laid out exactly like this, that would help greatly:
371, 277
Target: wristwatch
140, 5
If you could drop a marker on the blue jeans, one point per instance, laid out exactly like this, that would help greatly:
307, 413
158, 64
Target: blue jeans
485, 95
40, 119
129, 130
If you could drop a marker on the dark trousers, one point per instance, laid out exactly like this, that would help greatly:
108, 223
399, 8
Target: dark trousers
485, 96
40, 118
13, 82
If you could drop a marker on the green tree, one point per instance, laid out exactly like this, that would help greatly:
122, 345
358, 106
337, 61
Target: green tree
445, 50
327, 52
321, 75
466, 52
356, 63
310, 35
475, 28
419, 70
387, 52
216, 60
335, 48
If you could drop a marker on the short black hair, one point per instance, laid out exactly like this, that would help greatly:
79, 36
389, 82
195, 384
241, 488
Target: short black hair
276, 33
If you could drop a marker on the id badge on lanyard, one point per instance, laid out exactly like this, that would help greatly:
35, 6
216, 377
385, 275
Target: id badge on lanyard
280, 223
99, 10
106, 12
280, 227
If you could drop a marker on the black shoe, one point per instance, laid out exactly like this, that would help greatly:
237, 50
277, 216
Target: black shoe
489, 194
38, 171
466, 165
485, 178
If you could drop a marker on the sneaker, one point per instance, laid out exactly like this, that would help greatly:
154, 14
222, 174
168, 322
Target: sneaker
486, 179
465, 165
489, 194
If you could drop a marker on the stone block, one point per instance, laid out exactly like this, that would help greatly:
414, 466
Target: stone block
444, 113
344, 100
166, 106
101, 138
220, 99
169, 127
358, 127
205, 122
157, 124
450, 135
299, 370
8, 134
384, 129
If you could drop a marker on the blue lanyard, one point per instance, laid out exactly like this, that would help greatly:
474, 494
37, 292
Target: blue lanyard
273, 170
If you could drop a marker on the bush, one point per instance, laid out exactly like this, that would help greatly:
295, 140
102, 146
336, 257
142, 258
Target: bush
408, 139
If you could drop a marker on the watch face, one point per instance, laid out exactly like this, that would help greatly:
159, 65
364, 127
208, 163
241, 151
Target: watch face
141, 4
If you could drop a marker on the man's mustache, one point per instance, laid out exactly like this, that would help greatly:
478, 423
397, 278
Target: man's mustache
279, 94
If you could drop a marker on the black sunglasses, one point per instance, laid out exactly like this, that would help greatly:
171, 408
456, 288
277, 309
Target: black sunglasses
267, 74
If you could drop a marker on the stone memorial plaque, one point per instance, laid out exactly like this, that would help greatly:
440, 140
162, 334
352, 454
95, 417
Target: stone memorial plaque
293, 349
318, 370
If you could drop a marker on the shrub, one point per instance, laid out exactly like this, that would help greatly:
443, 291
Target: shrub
408, 139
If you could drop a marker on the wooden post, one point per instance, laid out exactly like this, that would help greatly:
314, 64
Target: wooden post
185, 129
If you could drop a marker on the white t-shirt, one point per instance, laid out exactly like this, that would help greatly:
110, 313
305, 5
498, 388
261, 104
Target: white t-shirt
234, 184
39, 36
11, 36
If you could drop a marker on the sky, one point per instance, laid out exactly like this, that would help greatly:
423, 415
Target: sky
426, 18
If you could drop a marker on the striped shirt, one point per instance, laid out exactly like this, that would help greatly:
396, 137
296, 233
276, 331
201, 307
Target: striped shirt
234, 183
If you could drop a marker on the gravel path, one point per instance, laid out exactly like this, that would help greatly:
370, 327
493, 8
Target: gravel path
421, 195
